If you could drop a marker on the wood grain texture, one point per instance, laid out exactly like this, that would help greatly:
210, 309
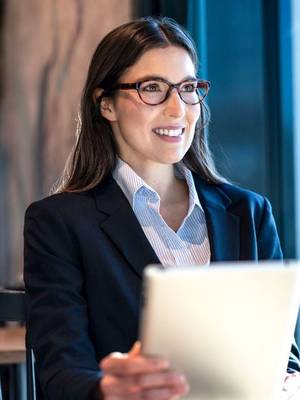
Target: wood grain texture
46, 47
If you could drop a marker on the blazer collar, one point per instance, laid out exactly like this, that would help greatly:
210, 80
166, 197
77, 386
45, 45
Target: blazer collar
122, 227
222, 225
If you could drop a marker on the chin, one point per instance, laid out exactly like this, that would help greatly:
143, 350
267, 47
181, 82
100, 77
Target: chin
171, 159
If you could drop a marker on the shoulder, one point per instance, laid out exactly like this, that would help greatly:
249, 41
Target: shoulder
74, 208
61, 203
228, 195
59, 221
240, 202
238, 194
246, 203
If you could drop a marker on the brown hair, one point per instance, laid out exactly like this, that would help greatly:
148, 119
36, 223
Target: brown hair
94, 155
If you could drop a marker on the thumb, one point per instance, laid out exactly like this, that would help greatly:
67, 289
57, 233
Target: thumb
135, 349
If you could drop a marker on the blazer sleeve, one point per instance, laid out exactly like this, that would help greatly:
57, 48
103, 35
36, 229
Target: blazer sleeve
58, 329
267, 237
294, 363
269, 248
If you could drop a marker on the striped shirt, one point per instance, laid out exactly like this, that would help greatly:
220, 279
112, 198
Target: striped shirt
189, 245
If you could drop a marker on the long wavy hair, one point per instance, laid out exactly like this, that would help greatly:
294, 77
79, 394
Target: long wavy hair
95, 152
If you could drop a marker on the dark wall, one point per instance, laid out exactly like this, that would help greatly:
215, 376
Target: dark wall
235, 68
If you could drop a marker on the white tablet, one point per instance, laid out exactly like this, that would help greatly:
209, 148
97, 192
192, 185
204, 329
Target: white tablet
228, 326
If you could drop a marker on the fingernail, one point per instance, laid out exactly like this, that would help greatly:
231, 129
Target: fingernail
161, 362
181, 378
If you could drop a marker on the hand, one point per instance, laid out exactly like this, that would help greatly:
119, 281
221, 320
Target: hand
134, 376
291, 387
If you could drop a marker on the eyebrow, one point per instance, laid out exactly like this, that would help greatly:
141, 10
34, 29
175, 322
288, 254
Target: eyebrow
158, 77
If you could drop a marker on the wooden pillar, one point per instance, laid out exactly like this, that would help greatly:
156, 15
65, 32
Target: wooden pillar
45, 49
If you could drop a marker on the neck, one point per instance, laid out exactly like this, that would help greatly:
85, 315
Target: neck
162, 179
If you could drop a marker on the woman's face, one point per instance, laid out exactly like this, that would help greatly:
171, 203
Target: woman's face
137, 127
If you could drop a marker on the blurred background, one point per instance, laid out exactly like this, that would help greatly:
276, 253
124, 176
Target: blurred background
249, 50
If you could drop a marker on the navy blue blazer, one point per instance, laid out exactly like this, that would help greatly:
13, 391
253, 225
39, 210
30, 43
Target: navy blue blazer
84, 258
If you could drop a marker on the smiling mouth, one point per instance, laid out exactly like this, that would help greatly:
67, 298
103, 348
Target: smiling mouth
169, 132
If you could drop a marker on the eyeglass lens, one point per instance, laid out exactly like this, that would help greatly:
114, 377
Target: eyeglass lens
155, 92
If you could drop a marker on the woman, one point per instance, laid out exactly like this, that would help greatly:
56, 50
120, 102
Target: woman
139, 188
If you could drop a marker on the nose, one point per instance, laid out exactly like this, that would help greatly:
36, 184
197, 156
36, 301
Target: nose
174, 106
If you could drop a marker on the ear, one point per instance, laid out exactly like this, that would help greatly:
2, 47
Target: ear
105, 104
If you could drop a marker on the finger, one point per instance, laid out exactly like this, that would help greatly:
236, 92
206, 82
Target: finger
171, 392
126, 385
156, 394
112, 385
136, 349
154, 380
123, 364
159, 394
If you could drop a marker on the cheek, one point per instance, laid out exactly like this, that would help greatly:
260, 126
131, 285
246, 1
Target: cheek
192, 121
135, 115
194, 115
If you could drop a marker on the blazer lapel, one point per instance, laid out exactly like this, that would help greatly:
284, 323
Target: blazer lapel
122, 226
223, 226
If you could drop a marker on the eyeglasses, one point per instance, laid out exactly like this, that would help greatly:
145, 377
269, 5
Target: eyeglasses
156, 91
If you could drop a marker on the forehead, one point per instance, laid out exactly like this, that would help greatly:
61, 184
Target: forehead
172, 63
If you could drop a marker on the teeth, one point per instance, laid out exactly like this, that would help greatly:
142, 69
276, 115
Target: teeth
168, 132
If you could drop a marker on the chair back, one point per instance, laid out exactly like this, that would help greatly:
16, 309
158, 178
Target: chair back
13, 308
12, 305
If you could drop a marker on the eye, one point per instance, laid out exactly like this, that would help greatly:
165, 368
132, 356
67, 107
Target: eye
188, 87
151, 87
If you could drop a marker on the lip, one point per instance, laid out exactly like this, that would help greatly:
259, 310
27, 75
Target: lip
169, 127
171, 139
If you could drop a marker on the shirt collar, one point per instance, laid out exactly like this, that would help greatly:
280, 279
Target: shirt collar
131, 183
182, 172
